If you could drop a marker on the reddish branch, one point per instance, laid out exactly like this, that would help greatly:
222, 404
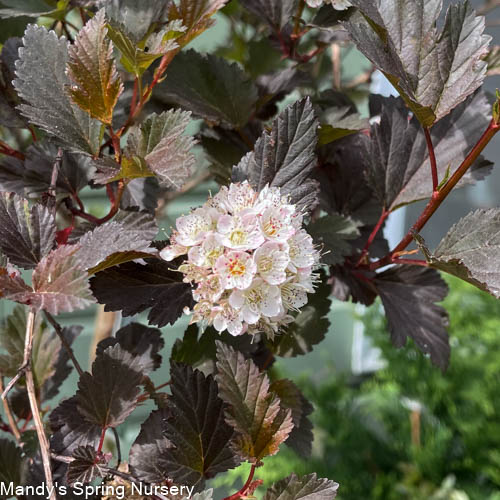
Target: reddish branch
439, 196
371, 238
241, 493
7, 150
432, 158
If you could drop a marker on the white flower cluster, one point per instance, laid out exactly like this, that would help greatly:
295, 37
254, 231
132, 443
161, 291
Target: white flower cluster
248, 258
336, 4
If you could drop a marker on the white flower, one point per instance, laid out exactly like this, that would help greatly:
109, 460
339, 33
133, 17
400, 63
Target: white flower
206, 254
276, 223
237, 269
259, 299
301, 251
228, 318
271, 262
239, 197
240, 232
293, 296
192, 228
210, 288
249, 261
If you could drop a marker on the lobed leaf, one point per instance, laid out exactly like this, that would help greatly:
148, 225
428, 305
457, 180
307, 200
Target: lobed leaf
96, 85
285, 158
109, 395
276, 13
60, 283
127, 232
42, 82
255, 412
133, 288
85, 467
27, 235
210, 87
308, 487
196, 428
409, 295
70, 429
301, 437
161, 143
334, 232
10, 463
470, 250
399, 161
28, 8
142, 342
433, 71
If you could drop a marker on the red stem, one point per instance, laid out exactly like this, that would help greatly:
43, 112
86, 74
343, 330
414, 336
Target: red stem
432, 158
243, 490
415, 262
101, 442
373, 234
439, 196
7, 150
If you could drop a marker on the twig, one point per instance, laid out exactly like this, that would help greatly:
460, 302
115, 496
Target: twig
7, 150
432, 159
58, 328
439, 196
30, 386
242, 492
8, 412
413, 262
488, 7
337, 67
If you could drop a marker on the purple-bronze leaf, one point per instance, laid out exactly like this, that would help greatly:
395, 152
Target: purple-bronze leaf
255, 412
109, 395
86, 466
285, 157
308, 487
26, 235
60, 284
410, 295
42, 83
433, 70
133, 288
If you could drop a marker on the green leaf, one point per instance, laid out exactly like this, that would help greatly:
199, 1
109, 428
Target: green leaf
29, 8
60, 284
492, 58
127, 232
138, 57
27, 235
433, 71
96, 85
276, 13
133, 288
310, 325
210, 87
307, 487
398, 155
161, 143
334, 232
196, 428
10, 464
108, 396
255, 412
470, 250
410, 295
285, 157
338, 122
42, 82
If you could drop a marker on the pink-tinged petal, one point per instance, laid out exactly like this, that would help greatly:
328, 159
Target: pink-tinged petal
236, 299
251, 317
235, 327
220, 323
225, 224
